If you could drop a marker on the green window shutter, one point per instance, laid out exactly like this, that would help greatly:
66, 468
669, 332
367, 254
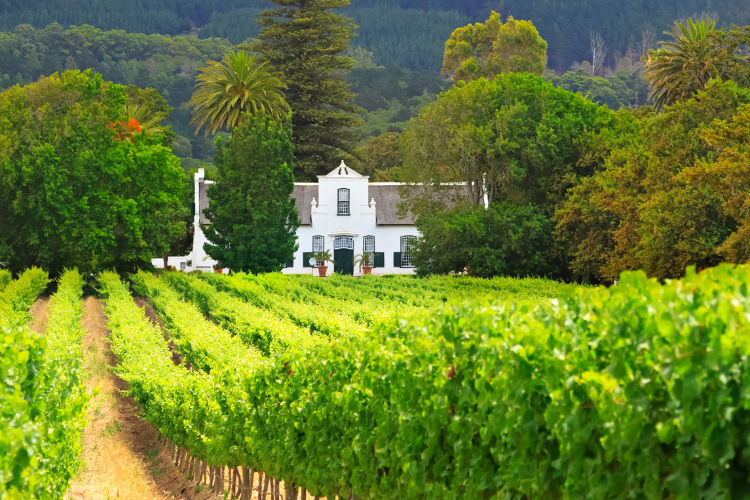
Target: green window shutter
396, 259
306, 258
379, 259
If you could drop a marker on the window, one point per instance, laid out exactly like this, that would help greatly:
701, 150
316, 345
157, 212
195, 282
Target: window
346, 242
343, 199
407, 245
318, 243
368, 245
318, 246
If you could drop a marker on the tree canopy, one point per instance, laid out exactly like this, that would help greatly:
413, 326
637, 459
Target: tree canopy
403, 33
667, 191
696, 53
305, 40
516, 134
79, 185
493, 47
253, 217
505, 239
228, 90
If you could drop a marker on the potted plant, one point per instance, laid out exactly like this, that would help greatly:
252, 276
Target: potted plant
364, 261
324, 256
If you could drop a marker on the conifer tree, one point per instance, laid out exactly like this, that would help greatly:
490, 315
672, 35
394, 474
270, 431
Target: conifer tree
306, 40
253, 217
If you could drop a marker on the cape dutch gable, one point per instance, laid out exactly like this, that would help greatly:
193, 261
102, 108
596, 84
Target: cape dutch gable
343, 212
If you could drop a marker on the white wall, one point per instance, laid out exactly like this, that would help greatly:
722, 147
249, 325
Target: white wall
360, 223
325, 221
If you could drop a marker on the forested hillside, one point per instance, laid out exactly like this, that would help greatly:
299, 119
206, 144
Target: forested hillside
168, 64
404, 33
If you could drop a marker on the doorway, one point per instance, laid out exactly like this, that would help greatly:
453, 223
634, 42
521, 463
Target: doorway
343, 255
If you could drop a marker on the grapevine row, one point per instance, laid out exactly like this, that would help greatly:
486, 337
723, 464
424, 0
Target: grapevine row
18, 295
640, 390
268, 332
205, 345
324, 322
43, 396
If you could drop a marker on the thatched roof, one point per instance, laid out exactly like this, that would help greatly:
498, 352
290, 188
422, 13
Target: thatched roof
387, 199
303, 194
203, 200
386, 194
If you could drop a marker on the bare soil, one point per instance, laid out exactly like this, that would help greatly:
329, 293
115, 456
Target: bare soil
40, 315
122, 456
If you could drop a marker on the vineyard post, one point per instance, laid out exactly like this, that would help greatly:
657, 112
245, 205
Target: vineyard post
265, 487
291, 491
246, 487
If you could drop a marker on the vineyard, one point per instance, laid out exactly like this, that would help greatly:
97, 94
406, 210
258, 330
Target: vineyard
396, 387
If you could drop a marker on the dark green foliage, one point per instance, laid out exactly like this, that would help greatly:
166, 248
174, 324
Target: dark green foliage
305, 40
518, 135
167, 64
623, 89
376, 87
379, 157
392, 96
253, 219
505, 240
5, 278
658, 199
411, 38
72, 193
406, 33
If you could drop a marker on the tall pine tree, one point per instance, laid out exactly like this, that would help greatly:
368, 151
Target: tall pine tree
305, 40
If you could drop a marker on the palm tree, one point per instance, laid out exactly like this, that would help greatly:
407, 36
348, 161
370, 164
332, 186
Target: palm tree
682, 66
145, 117
237, 85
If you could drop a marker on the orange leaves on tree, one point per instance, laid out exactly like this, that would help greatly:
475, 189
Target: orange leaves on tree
125, 130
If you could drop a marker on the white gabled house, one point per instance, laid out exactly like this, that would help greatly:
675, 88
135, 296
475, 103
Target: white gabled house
343, 212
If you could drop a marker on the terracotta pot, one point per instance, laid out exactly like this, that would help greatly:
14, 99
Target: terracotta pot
322, 271
366, 269
218, 270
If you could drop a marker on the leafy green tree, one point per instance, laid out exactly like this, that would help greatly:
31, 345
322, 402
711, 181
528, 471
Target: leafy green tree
623, 89
229, 90
506, 239
485, 50
71, 193
515, 136
306, 41
697, 52
379, 157
658, 201
253, 217
167, 64
728, 173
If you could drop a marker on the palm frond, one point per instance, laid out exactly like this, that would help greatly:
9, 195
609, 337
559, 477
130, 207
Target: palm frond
238, 84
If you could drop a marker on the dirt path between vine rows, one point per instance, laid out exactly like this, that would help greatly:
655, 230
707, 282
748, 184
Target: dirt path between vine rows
122, 457
39, 315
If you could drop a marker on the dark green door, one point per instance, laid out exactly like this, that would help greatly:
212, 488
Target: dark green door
343, 261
